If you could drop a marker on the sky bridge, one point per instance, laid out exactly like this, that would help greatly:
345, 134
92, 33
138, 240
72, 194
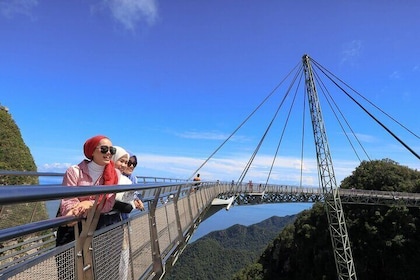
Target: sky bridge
156, 237
148, 243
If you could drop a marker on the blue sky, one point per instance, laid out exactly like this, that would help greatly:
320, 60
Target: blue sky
171, 80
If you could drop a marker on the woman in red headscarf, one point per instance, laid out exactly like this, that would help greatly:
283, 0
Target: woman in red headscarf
97, 169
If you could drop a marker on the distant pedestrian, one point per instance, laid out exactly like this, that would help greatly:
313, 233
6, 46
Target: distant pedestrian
250, 186
197, 180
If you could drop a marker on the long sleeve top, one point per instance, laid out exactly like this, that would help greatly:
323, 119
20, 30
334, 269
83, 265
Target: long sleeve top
82, 175
127, 197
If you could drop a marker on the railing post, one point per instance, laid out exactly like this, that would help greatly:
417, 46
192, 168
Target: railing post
154, 237
83, 242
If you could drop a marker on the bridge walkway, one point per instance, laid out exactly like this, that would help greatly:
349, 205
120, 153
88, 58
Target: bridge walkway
155, 237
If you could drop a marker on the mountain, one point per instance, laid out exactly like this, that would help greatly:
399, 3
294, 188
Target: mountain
16, 156
220, 254
385, 240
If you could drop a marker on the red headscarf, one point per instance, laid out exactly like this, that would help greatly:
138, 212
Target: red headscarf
91, 144
110, 175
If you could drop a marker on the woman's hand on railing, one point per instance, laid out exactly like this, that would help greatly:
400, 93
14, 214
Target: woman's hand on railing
81, 208
139, 204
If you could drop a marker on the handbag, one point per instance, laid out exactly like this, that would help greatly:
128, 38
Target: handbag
122, 207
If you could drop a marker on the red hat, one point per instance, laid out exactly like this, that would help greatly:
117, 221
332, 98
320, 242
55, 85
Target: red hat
91, 144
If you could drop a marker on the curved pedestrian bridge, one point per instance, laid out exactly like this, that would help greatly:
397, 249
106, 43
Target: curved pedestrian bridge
154, 238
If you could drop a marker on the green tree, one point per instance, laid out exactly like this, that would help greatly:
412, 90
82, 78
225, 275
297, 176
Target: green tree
383, 175
385, 240
16, 156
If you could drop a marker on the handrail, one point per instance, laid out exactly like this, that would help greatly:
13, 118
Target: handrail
29, 173
173, 212
18, 231
60, 174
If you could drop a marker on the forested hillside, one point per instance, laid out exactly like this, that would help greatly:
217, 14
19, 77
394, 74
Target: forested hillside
16, 156
385, 240
220, 254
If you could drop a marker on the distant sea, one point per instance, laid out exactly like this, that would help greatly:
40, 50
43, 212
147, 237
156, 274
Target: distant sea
52, 205
242, 215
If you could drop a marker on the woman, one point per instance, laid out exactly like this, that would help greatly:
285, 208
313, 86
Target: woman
97, 169
121, 158
131, 164
129, 172
125, 202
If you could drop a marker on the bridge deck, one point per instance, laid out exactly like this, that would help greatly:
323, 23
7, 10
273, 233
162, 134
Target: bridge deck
156, 237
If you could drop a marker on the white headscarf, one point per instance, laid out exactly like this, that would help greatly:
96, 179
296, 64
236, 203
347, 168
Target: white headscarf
119, 154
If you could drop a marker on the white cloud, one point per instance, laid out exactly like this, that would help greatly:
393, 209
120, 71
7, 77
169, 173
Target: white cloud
351, 51
12, 8
396, 75
208, 136
202, 135
366, 138
286, 170
55, 167
131, 12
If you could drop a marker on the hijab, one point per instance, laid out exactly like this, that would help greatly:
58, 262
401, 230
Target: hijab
110, 174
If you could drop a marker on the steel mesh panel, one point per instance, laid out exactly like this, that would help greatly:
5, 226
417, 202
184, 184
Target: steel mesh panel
66, 264
194, 207
125, 267
186, 215
172, 225
59, 267
107, 249
139, 233
200, 200
182, 213
162, 228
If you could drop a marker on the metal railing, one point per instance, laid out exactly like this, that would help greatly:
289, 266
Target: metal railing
148, 241
151, 238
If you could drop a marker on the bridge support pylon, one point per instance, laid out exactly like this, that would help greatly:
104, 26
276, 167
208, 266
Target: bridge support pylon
336, 220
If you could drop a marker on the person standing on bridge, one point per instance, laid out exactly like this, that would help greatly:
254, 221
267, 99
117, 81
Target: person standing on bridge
96, 169
121, 158
197, 180
129, 170
126, 201
250, 186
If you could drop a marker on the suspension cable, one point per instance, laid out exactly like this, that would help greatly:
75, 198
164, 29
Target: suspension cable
302, 142
300, 71
248, 165
373, 117
246, 119
329, 97
364, 98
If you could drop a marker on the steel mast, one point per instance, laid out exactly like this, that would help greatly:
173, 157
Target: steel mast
336, 221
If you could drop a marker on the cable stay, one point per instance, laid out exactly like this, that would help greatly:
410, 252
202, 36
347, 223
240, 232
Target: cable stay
373, 117
324, 70
300, 73
296, 76
246, 119
329, 97
302, 143
326, 177
248, 165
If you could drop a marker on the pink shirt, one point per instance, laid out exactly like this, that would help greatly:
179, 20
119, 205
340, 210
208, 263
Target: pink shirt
78, 175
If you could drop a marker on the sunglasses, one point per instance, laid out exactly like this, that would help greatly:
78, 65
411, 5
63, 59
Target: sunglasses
130, 163
105, 149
